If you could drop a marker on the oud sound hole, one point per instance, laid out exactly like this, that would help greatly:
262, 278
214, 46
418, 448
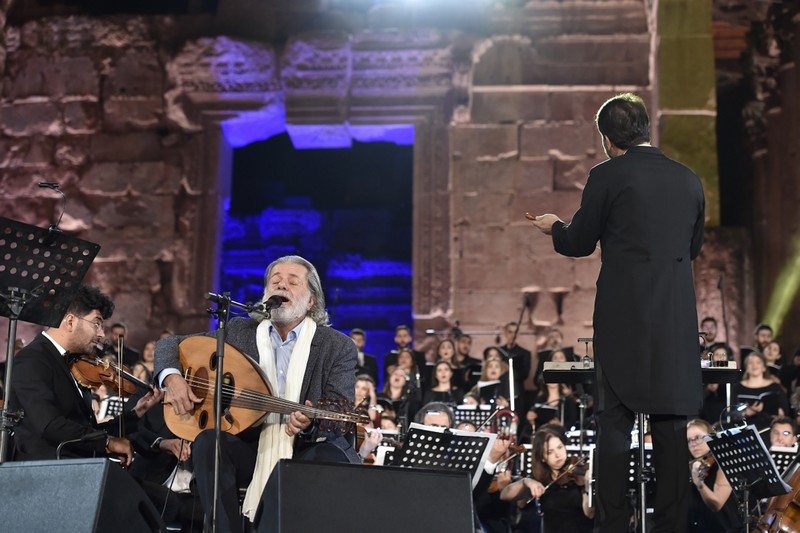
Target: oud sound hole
199, 383
212, 361
202, 420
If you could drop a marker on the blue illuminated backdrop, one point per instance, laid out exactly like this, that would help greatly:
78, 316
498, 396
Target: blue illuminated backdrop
348, 211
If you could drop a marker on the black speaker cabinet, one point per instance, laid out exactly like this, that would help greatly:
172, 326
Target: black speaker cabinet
341, 498
75, 495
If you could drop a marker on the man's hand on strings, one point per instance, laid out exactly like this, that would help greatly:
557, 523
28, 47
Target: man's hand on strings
179, 394
297, 422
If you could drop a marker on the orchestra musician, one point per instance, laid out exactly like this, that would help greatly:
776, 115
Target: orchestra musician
647, 213
712, 504
558, 484
56, 408
304, 358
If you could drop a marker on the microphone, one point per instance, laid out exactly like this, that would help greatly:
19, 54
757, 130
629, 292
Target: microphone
92, 435
263, 310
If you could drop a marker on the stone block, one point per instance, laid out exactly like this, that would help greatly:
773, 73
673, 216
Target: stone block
692, 140
126, 147
81, 116
145, 178
687, 78
24, 119
33, 152
684, 17
495, 141
125, 113
78, 76
492, 105
580, 105
577, 313
571, 172
30, 73
136, 73
133, 225
535, 174
586, 271
72, 151
484, 176
488, 207
539, 138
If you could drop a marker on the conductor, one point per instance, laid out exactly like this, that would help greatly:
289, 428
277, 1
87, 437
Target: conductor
647, 213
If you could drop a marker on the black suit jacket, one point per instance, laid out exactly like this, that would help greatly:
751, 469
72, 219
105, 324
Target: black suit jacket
370, 367
54, 409
647, 212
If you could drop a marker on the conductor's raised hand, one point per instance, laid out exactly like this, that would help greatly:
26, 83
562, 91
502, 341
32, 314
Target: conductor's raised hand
297, 422
179, 394
543, 223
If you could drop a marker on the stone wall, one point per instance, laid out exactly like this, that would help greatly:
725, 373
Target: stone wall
136, 118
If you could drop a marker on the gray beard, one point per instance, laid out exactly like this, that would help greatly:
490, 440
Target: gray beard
288, 315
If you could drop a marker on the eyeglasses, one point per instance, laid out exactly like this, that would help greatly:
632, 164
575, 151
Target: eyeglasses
695, 440
98, 326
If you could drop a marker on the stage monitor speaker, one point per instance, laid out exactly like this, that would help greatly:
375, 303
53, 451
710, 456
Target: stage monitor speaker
342, 498
75, 495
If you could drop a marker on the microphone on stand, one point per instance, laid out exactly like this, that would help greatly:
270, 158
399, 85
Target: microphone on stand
263, 310
53, 229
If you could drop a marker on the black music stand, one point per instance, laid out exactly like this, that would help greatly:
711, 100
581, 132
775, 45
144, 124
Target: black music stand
39, 271
783, 457
474, 414
445, 449
745, 461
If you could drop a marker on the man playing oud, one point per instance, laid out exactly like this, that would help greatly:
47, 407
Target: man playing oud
304, 359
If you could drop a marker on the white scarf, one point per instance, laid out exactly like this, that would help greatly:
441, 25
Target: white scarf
274, 444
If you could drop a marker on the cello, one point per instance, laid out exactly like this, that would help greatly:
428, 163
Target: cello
783, 512
247, 397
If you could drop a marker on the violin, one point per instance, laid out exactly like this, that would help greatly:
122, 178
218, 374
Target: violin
574, 473
91, 371
706, 462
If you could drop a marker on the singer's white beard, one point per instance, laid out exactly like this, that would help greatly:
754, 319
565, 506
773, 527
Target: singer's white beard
291, 311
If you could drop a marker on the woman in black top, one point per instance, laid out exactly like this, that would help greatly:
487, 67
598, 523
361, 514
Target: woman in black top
443, 389
712, 503
565, 502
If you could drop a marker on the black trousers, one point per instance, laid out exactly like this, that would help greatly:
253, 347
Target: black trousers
237, 462
670, 457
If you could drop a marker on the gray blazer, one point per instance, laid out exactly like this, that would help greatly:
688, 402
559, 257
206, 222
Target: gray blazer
330, 372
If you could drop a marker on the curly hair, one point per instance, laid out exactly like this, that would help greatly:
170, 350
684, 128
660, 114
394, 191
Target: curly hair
86, 299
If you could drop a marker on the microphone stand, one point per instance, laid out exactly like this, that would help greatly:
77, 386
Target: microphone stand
221, 313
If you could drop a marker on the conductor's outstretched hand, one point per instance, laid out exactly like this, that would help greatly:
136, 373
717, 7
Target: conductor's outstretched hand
543, 222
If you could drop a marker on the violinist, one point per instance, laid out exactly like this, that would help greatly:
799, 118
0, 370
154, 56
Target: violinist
712, 504
56, 408
558, 484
